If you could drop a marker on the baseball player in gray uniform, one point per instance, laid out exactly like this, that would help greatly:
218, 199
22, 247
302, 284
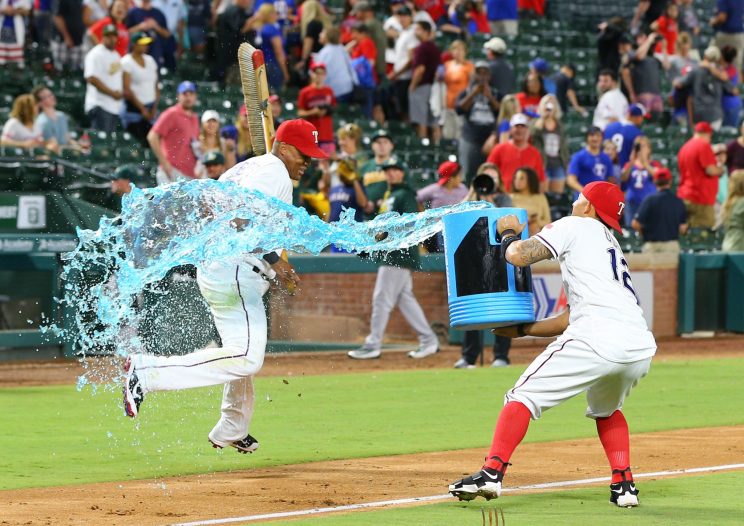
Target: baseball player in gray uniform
234, 293
604, 347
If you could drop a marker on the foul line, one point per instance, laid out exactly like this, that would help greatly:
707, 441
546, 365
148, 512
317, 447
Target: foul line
413, 500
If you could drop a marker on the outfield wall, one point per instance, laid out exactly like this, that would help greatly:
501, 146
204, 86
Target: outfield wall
336, 299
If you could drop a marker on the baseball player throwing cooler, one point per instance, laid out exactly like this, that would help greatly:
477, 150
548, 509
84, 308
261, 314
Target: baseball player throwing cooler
604, 346
233, 292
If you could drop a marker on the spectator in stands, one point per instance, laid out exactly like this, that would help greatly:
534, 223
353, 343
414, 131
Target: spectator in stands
346, 191
313, 20
448, 190
94, 10
350, 151
175, 12
103, 75
316, 103
610, 148
457, 75
563, 80
341, 74
638, 177
735, 152
698, 177
20, 130
151, 20
197, 23
723, 181
731, 103
270, 41
424, 63
707, 82
469, 16
13, 15
688, 19
533, 90
612, 105
609, 41
117, 16
394, 284
365, 13
508, 108
52, 123
43, 22
214, 164
486, 186
210, 140
350, 143
364, 56
517, 153
67, 39
661, 218
682, 58
624, 133
400, 76
276, 109
733, 214
174, 137
502, 72
729, 25
502, 17
542, 68
479, 106
642, 74
234, 26
646, 13
526, 194
666, 26
244, 146
372, 173
141, 89
549, 137
589, 164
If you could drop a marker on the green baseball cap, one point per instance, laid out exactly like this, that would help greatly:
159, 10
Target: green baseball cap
213, 157
126, 171
382, 134
394, 162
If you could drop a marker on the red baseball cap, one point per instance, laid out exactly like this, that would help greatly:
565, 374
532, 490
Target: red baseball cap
703, 127
447, 170
317, 65
662, 174
608, 200
302, 135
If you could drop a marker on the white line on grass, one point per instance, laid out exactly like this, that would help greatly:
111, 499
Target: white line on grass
413, 500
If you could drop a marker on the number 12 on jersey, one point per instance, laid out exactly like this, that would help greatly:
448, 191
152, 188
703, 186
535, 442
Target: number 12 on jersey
627, 283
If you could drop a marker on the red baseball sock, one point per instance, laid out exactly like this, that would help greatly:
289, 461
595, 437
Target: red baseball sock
510, 430
615, 438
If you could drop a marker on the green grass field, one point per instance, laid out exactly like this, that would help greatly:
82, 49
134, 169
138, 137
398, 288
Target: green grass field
61, 436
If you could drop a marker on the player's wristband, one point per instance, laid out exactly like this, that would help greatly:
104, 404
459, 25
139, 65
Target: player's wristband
507, 233
506, 241
520, 330
271, 258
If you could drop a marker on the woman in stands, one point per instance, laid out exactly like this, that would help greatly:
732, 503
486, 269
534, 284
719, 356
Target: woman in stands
141, 91
313, 19
733, 214
457, 75
211, 141
533, 90
269, 40
526, 194
638, 177
116, 16
19, 131
549, 137
13, 14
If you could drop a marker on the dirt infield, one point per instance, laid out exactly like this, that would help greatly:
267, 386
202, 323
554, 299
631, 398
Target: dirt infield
321, 484
15, 374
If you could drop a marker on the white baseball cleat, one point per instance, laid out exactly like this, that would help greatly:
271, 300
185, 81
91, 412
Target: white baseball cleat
486, 483
624, 494
423, 352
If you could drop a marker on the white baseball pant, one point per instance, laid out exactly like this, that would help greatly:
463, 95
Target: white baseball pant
234, 294
568, 367
395, 286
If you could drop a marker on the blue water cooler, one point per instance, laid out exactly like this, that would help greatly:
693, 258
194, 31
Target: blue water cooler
483, 289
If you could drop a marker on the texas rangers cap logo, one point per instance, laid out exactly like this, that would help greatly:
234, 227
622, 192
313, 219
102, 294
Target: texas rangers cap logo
622, 207
298, 133
315, 136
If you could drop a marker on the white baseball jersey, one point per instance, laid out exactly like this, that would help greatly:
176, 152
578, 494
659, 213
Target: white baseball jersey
267, 174
604, 310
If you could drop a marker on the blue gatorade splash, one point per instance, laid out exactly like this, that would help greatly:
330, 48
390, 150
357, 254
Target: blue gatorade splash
191, 223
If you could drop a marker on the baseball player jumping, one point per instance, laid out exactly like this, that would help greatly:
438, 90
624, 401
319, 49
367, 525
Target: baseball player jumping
604, 347
234, 293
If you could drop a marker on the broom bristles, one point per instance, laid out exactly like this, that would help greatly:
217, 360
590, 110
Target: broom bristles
256, 98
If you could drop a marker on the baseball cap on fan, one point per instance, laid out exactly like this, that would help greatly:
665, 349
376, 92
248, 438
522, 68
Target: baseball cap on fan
186, 86
302, 135
519, 119
447, 170
608, 200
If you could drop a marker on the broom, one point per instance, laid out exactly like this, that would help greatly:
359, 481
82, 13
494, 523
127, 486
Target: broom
256, 98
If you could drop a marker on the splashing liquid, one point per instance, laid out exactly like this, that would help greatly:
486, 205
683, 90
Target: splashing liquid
193, 223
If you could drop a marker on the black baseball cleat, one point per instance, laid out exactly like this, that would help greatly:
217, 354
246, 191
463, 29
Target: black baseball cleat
624, 494
133, 394
486, 483
246, 445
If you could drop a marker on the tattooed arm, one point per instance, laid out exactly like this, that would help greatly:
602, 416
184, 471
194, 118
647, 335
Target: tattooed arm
524, 253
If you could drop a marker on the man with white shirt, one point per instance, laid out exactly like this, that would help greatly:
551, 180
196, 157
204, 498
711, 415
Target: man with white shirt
234, 293
401, 74
612, 105
103, 76
603, 348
